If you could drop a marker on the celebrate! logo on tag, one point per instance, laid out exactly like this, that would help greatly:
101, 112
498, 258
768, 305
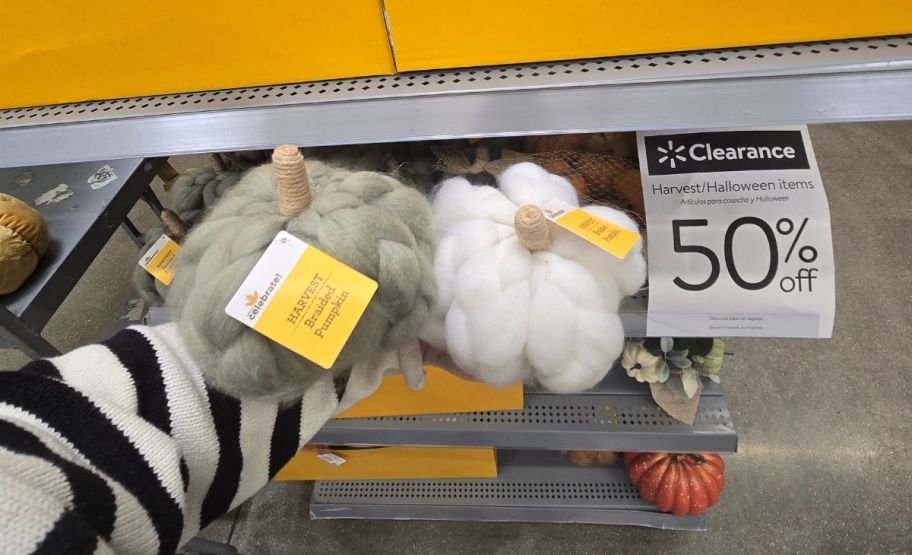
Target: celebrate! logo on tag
257, 302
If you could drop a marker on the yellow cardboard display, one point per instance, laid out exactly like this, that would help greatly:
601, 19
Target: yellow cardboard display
464, 33
394, 463
442, 393
55, 52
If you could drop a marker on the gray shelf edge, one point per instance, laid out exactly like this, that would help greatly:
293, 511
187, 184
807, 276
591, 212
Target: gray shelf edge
649, 519
351, 434
619, 415
531, 486
855, 84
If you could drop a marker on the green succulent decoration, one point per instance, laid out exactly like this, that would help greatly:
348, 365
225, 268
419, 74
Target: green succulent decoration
679, 363
673, 368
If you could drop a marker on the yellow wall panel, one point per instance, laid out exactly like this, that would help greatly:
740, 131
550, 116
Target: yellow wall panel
54, 52
427, 35
442, 393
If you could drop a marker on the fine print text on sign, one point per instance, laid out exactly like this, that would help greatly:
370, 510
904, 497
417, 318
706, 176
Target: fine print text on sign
303, 299
739, 234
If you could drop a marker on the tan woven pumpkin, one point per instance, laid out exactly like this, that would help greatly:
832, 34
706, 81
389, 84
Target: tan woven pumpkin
23, 240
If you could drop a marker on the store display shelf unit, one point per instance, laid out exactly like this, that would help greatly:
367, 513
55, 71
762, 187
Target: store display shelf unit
851, 80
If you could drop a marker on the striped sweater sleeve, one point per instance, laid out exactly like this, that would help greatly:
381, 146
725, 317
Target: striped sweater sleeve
122, 447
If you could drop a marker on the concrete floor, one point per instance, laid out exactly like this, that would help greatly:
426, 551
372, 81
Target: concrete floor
825, 427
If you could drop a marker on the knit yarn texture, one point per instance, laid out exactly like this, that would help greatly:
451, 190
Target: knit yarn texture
192, 194
507, 314
197, 191
369, 221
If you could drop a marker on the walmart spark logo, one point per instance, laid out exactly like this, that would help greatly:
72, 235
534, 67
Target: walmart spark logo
670, 154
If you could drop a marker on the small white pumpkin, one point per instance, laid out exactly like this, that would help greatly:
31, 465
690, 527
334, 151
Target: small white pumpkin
520, 300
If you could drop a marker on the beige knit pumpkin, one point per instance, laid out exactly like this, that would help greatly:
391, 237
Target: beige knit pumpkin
23, 240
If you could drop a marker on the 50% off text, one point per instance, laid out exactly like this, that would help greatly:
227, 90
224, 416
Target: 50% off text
796, 260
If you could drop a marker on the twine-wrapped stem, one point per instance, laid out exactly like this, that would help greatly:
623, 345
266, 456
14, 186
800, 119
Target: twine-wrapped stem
217, 163
532, 228
177, 228
291, 180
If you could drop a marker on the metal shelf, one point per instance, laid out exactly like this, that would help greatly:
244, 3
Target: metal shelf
531, 487
619, 415
79, 226
633, 312
853, 80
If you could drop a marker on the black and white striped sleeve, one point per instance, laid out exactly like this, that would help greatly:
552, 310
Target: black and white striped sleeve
121, 447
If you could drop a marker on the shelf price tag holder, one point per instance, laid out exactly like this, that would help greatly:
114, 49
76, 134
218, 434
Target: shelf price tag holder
738, 232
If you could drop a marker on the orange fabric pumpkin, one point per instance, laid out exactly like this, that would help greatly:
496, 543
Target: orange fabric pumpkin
591, 458
684, 484
23, 240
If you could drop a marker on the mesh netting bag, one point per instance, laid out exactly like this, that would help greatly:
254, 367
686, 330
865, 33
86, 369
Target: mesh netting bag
601, 179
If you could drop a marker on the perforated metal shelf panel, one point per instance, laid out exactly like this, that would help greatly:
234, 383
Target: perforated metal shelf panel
619, 415
531, 486
800, 83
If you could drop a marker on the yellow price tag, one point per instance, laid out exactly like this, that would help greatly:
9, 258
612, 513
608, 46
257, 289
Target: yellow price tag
159, 259
303, 299
605, 235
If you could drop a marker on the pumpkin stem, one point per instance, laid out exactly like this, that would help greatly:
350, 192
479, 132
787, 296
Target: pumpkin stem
177, 228
291, 180
218, 165
532, 228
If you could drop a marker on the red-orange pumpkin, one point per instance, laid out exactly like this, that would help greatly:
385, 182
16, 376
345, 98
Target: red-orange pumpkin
685, 484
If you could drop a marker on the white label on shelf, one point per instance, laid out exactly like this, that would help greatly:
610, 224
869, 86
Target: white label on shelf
102, 177
331, 458
738, 233
24, 178
55, 195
